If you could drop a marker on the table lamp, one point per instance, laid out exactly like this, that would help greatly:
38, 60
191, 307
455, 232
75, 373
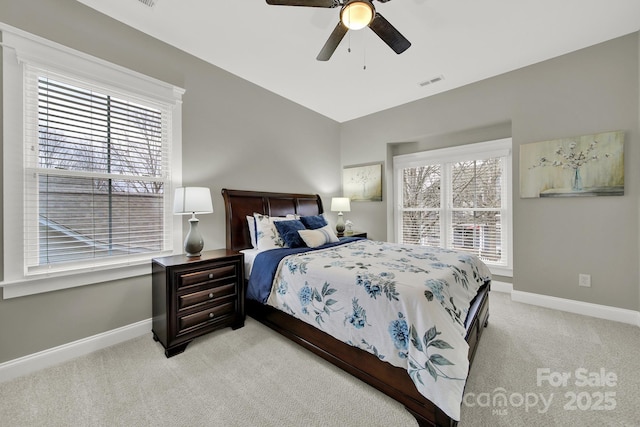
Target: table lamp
192, 200
340, 204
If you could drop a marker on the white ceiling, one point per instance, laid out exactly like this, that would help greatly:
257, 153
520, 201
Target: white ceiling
463, 40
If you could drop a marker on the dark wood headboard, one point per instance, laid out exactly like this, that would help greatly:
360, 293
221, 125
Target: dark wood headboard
240, 203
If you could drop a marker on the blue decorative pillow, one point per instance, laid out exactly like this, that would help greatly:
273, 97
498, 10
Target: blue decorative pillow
313, 222
289, 232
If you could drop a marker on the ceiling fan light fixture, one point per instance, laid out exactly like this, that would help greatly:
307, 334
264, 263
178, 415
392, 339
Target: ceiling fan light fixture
357, 14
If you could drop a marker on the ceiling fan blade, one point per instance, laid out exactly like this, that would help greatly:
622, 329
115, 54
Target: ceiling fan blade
308, 3
389, 34
332, 43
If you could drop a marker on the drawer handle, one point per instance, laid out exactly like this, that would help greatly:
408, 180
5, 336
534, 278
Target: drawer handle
211, 315
210, 275
211, 295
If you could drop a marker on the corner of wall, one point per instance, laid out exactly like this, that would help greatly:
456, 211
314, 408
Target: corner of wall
389, 191
1, 165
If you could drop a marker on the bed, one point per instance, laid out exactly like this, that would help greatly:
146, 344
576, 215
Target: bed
394, 381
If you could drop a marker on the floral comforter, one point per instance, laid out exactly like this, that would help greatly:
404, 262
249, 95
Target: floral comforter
405, 304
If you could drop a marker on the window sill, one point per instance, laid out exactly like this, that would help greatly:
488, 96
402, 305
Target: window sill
49, 283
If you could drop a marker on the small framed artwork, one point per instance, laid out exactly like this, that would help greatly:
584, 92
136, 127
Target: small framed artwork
588, 165
363, 183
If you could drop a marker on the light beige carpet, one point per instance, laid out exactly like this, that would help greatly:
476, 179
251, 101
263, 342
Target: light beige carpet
255, 377
522, 339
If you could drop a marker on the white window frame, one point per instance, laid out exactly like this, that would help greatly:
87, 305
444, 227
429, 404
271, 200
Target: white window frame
21, 49
476, 151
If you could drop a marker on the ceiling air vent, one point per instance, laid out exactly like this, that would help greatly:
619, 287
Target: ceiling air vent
149, 3
430, 81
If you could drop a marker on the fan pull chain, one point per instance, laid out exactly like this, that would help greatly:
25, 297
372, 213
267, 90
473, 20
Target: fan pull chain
349, 33
364, 54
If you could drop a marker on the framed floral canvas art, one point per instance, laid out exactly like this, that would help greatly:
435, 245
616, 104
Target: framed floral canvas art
363, 183
589, 165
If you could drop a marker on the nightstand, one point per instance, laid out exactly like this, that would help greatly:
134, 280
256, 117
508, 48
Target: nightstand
354, 234
194, 296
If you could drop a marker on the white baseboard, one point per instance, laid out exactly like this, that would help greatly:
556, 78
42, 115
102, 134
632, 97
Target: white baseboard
53, 356
572, 306
578, 307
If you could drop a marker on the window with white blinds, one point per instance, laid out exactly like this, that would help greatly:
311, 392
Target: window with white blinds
458, 198
91, 154
97, 167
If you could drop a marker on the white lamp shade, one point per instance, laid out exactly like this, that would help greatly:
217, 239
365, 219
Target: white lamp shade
190, 200
340, 204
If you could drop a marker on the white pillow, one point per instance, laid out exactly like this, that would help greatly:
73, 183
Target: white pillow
267, 236
319, 236
251, 222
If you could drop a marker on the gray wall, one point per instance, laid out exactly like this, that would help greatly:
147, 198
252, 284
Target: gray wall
588, 91
228, 125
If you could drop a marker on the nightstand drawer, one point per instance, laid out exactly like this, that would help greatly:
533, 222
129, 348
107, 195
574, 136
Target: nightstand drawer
207, 295
210, 315
204, 276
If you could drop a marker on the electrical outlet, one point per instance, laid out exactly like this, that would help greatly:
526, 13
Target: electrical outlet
584, 280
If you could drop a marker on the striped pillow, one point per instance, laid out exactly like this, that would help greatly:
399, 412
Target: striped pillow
319, 236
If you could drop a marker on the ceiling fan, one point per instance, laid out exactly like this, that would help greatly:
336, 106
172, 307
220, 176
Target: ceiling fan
354, 15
